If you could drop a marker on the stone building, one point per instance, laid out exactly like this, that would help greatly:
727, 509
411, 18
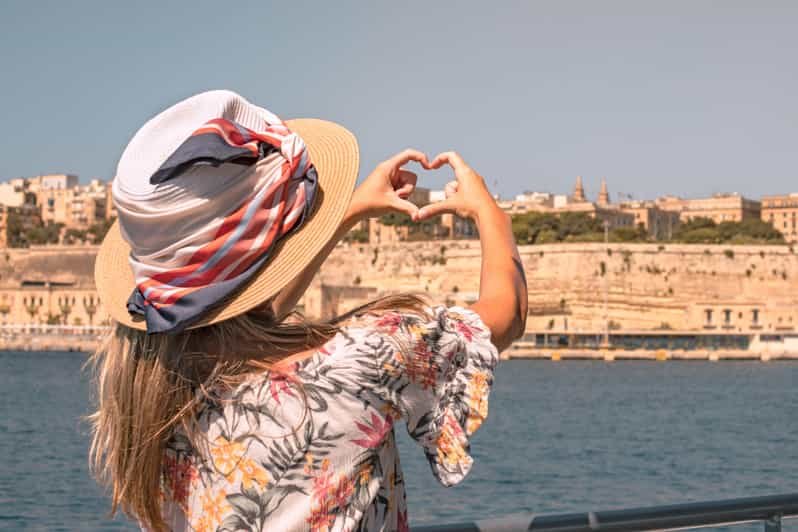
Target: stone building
526, 202
782, 213
659, 223
58, 198
53, 182
611, 214
579, 191
442, 227
325, 301
77, 207
577, 202
602, 209
719, 208
110, 208
16, 193
50, 285
604, 194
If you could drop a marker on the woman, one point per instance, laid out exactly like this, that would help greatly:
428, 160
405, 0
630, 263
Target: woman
219, 407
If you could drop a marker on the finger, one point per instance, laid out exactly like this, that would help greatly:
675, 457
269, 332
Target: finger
451, 158
408, 155
434, 209
402, 205
451, 188
405, 190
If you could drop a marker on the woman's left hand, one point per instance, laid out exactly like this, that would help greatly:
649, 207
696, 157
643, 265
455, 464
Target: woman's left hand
387, 188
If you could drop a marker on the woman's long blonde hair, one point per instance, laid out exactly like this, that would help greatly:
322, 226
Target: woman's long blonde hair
146, 386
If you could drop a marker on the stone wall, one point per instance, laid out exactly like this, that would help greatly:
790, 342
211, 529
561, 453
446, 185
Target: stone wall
665, 286
647, 286
49, 283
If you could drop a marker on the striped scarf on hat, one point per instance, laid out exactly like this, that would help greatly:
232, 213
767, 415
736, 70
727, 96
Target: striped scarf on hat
171, 298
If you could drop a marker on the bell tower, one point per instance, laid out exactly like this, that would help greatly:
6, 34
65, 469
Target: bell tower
604, 196
579, 190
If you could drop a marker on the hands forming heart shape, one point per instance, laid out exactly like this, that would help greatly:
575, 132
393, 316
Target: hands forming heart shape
389, 186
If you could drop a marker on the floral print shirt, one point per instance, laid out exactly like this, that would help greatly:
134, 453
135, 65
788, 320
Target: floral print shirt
312, 447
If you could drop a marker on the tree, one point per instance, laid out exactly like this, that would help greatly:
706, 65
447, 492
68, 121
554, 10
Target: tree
396, 218
629, 234
97, 232
24, 231
748, 231
74, 236
357, 235
540, 228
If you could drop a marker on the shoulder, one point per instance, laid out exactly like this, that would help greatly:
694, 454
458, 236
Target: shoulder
439, 326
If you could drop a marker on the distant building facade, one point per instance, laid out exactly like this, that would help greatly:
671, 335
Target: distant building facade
445, 226
110, 207
660, 224
16, 193
782, 213
50, 285
718, 208
76, 207
54, 181
577, 202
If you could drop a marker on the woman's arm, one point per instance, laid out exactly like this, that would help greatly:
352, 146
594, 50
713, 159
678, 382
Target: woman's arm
385, 190
502, 302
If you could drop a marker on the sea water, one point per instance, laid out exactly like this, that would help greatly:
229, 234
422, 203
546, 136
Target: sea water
560, 437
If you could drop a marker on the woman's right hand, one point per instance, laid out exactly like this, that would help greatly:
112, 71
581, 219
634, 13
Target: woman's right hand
465, 197
502, 302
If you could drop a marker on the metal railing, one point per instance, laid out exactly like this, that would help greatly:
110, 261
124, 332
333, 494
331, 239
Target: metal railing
769, 510
44, 329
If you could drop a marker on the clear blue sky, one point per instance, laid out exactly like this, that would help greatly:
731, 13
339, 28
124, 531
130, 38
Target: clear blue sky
684, 97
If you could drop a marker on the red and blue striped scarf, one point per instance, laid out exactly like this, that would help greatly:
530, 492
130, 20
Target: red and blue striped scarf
171, 299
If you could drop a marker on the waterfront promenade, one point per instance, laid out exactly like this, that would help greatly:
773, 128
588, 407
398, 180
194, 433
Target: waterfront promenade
517, 352
38, 338
35, 337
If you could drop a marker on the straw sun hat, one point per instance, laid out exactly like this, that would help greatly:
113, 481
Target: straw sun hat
333, 151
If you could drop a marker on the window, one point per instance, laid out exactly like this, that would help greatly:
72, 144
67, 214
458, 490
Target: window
708, 313
755, 316
727, 316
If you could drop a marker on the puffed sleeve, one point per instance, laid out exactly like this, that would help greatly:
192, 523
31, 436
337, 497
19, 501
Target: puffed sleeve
436, 371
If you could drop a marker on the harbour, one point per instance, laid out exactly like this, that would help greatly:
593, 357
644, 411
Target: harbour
595, 205
561, 437
655, 346
641, 345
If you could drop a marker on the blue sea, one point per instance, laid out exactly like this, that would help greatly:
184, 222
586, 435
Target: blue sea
560, 437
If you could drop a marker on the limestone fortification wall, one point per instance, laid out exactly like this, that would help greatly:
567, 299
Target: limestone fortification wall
647, 286
652, 286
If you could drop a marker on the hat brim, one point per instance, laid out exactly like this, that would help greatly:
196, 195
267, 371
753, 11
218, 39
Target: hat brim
335, 155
